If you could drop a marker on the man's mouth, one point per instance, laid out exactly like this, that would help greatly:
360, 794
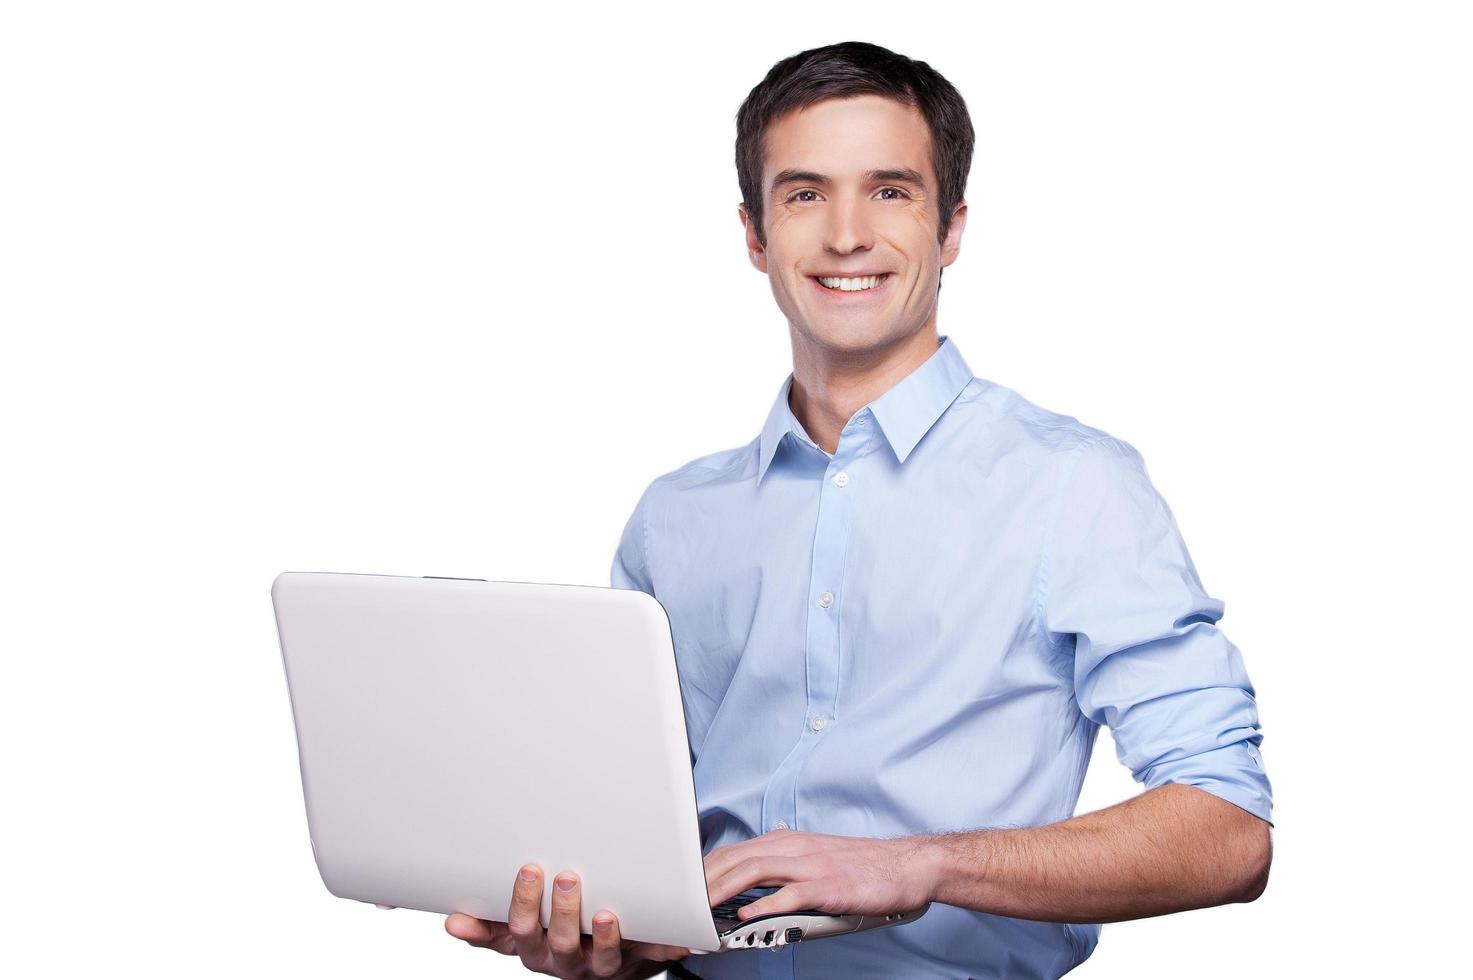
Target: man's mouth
851, 284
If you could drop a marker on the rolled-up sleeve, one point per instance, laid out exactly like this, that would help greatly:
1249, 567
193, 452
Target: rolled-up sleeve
1149, 661
630, 569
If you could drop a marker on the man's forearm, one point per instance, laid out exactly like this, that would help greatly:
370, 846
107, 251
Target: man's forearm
1169, 849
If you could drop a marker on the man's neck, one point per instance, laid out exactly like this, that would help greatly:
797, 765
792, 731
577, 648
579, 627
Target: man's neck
828, 390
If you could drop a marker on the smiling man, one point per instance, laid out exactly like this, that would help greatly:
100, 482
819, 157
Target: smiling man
904, 609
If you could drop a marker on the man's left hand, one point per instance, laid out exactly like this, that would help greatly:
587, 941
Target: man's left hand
838, 875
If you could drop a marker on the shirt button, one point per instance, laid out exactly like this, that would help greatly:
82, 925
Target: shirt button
826, 599
780, 825
818, 722
841, 480
860, 421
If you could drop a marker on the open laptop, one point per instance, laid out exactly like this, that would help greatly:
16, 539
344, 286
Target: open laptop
451, 730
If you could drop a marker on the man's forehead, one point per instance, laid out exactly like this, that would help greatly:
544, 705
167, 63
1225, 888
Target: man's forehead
848, 139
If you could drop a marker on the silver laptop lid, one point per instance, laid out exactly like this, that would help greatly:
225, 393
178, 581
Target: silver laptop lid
450, 731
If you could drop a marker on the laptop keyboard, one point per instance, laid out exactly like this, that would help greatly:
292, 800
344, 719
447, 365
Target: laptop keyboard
725, 914
728, 908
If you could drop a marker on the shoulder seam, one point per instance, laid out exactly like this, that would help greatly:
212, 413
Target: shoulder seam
644, 541
739, 458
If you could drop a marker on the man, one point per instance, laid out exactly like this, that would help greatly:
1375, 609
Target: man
903, 610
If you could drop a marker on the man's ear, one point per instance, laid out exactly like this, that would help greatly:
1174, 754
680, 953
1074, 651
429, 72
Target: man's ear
953, 243
755, 252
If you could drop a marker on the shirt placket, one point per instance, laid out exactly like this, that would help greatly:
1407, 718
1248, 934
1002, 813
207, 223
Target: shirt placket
824, 602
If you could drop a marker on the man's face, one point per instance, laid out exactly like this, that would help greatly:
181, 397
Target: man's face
850, 193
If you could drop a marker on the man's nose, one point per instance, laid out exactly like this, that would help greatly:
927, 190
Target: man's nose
849, 228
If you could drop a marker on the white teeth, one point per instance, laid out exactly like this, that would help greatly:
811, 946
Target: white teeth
851, 285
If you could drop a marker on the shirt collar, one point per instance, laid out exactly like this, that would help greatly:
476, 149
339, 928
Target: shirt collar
905, 413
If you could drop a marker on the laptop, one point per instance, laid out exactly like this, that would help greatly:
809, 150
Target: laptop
451, 730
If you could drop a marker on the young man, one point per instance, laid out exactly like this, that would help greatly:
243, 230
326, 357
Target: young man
902, 612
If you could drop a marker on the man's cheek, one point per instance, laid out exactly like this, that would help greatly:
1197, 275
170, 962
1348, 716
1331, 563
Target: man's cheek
776, 220
921, 218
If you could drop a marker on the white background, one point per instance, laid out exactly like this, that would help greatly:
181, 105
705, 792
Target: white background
439, 288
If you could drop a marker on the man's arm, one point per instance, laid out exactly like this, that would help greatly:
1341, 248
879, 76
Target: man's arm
1167, 850
1170, 849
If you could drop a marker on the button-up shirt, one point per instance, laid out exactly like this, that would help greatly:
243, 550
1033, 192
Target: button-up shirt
922, 633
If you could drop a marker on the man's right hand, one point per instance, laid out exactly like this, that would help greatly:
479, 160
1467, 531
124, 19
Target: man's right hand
561, 950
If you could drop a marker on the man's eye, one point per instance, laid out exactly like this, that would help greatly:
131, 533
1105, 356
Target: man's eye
896, 190
798, 195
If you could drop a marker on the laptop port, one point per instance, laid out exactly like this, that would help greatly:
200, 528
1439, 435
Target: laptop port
751, 938
767, 939
794, 935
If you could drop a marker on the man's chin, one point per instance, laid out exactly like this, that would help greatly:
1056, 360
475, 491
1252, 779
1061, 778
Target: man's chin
855, 338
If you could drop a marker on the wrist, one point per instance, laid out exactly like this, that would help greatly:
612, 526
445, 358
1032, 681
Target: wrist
957, 867
931, 862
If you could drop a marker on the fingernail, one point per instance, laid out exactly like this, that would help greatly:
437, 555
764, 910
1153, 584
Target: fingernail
529, 874
603, 925
566, 884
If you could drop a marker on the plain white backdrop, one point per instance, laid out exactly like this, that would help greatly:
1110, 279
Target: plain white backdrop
439, 288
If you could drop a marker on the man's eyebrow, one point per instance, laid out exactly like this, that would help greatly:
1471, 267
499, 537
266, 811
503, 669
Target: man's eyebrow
791, 176
899, 175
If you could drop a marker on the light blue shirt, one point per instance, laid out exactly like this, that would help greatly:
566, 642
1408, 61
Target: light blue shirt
922, 633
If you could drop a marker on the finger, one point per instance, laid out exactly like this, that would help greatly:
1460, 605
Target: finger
605, 958
721, 860
478, 932
774, 869
564, 940
524, 917
793, 898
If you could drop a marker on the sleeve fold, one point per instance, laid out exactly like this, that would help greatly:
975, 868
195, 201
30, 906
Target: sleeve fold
1149, 659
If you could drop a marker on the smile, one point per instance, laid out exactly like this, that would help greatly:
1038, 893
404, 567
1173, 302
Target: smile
855, 284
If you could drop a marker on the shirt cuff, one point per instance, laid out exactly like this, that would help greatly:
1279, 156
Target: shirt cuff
1232, 772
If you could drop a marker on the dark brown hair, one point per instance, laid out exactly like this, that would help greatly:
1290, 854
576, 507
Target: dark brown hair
847, 69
